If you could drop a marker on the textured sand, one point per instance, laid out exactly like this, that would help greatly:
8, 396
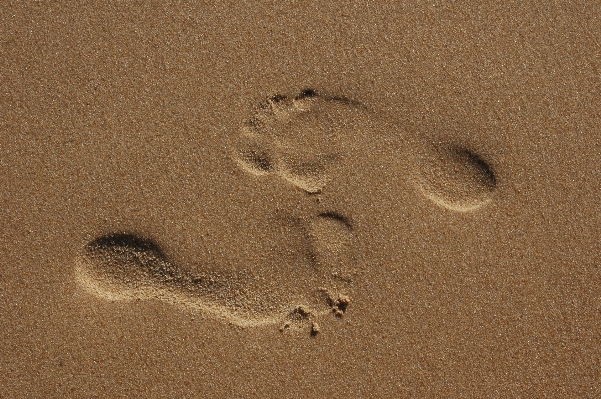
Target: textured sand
300, 200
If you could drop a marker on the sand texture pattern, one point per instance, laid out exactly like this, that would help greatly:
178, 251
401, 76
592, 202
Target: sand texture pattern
294, 199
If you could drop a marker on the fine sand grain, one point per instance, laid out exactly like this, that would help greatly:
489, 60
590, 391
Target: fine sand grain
289, 199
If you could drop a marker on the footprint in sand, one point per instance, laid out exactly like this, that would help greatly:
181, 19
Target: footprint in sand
280, 139
314, 276
305, 263
304, 260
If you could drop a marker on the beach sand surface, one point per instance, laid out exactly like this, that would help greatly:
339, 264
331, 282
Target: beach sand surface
300, 200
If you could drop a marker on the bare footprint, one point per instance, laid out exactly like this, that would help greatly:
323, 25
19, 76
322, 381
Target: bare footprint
304, 139
290, 267
454, 177
295, 265
293, 284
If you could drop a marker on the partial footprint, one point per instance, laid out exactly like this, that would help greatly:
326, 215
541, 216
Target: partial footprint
300, 139
333, 243
255, 158
290, 282
123, 266
127, 267
455, 177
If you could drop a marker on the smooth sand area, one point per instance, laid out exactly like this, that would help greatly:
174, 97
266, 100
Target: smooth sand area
300, 200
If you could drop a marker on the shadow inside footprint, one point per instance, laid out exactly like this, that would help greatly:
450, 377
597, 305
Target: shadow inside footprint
128, 260
333, 245
455, 178
255, 159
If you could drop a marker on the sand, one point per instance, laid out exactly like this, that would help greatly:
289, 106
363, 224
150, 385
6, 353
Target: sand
300, 200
